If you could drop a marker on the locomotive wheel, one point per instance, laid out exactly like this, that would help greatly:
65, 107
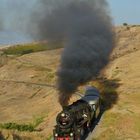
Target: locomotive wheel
78, 138
87, 128
82, 132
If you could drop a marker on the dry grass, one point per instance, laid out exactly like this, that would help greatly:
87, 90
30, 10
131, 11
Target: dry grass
121, 120
21, 98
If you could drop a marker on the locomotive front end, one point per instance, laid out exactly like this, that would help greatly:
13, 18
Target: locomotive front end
63, 129
76, 119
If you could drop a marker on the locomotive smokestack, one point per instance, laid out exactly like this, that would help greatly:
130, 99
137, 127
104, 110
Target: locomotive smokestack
86, 28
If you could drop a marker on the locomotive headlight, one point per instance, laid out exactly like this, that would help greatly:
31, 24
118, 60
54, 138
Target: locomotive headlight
63, 115
56, 135
71, 134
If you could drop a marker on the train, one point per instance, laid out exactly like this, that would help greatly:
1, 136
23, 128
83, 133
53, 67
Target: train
76, 119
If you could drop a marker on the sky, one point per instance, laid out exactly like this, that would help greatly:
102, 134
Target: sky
121, 10
15, 16
125, 11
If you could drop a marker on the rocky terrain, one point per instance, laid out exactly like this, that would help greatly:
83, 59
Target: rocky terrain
28, 95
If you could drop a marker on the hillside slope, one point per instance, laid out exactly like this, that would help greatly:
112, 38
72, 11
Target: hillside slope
26, 89
27, 92
122, 122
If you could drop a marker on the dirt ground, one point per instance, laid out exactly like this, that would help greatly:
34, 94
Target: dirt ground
27, 91
122, 122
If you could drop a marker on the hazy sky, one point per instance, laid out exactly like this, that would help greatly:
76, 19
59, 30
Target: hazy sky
121, 10
15, 16
125, 11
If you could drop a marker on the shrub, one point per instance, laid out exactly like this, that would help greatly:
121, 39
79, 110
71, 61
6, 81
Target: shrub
29, 48
19, 127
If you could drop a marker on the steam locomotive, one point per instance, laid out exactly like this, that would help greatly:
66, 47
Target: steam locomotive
77, 118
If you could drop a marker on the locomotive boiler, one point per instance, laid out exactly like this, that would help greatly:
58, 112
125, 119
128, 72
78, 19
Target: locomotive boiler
77, 118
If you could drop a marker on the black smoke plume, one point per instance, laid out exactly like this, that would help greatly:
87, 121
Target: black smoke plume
85, 28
